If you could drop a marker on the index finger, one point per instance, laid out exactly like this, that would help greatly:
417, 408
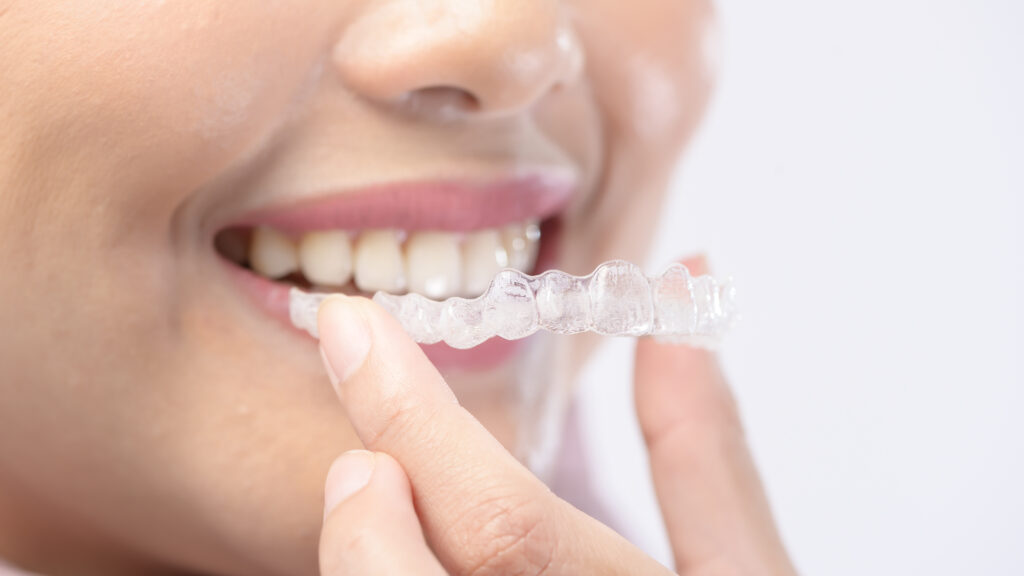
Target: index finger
710, 493
481, 510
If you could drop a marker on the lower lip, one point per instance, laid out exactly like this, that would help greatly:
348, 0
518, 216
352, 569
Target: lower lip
272, 297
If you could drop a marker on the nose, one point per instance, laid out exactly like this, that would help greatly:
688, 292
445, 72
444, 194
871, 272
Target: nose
478, 57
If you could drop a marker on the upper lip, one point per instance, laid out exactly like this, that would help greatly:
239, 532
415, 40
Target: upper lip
450, 205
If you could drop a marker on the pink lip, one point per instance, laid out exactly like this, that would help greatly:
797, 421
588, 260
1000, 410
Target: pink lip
448, 205
443, 205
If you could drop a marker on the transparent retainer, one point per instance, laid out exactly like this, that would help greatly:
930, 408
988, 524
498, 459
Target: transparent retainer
617, 299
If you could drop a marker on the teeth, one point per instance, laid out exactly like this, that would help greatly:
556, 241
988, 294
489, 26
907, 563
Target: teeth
379, 262
326, 258
483, 256
272, 254
434, 264
521, 243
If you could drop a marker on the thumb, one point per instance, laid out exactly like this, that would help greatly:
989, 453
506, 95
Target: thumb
370, 524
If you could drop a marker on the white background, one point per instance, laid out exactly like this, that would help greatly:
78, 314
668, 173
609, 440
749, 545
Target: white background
861, 175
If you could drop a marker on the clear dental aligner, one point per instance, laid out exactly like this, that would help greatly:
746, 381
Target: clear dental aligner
617, 299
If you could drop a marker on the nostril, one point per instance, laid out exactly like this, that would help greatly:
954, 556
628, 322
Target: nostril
443, 102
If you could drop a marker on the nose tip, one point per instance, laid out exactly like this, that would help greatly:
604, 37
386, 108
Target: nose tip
452, 57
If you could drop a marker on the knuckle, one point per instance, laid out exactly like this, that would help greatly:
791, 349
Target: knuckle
718, 416
509, 535
399, 417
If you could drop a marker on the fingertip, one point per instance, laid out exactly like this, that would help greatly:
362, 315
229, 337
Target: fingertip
676, 384
665, 361
697, 264
677, 357
392, 478
370, 523
345, 337
349, 473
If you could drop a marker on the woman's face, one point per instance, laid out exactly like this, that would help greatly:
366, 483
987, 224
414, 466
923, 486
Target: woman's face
154, 396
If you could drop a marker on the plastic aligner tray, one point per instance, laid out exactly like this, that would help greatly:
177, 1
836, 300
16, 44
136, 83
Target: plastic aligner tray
617, 299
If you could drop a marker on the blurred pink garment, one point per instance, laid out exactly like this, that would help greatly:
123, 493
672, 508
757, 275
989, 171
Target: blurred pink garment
573, 478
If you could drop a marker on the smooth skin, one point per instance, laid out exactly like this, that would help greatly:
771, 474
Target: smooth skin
404, 506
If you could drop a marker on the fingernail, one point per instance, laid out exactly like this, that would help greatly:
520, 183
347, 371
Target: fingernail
697, 264
349, 474
327, 366
344, 338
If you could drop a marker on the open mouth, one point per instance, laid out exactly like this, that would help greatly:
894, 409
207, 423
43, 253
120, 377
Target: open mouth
437, 264
438, 239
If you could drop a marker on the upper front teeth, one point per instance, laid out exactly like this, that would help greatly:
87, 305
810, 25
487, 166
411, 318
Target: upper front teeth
435, 264
379, 262
483, 255
326, 257
521, 244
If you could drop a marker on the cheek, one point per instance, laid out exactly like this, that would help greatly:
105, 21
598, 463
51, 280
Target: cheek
650, 62
652, 76
571, 118
120, 111
143, 102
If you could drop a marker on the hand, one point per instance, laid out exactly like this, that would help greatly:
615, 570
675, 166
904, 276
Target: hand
437, 494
